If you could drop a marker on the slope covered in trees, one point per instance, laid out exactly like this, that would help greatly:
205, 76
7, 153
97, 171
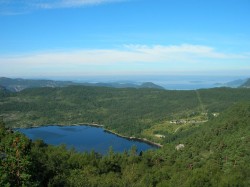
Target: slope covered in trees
215, 154
3, 92
17, 85
126, 111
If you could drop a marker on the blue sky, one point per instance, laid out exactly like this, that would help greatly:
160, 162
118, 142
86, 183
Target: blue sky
41, 38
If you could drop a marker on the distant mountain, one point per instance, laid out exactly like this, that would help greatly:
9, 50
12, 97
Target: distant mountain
16, 85
129, 85
246, 84
150, 85
232, 84
117, 85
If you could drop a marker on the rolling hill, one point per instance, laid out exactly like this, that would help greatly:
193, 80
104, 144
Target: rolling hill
16, 85
128, 111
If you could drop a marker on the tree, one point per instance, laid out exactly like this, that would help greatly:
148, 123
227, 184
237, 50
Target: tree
15, 160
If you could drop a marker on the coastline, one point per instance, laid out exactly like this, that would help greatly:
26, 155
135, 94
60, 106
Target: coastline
106, 130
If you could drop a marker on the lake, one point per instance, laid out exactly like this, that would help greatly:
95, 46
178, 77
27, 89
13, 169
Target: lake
83, 138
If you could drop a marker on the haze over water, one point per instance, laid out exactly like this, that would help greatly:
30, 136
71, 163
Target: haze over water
171, 82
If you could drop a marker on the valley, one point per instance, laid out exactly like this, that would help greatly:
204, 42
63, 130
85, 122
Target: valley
203, 136
140, 113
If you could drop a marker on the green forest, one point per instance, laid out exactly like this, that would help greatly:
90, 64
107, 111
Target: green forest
207, 145
217, 154
126, 111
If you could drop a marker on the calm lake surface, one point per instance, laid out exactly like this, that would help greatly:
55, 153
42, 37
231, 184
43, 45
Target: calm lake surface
83, 138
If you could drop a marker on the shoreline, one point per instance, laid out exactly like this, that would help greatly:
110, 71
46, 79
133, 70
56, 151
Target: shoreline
134, 138
105, 130
60, 125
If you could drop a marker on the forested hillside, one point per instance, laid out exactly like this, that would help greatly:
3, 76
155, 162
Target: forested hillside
16, 85
126, 111
216, 154
3, 92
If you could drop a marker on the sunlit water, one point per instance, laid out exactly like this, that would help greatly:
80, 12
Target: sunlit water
84, 138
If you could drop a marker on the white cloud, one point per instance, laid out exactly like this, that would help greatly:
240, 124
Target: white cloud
68, 3
129, 58
12, 7
128, 54
193, 51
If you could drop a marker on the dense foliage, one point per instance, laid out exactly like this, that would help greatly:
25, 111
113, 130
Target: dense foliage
16, 85
126, 111
15, 158
216, 154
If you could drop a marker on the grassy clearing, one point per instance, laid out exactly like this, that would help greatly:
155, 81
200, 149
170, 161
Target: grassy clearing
159, 131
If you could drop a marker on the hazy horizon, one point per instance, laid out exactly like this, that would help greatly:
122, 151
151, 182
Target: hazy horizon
173, 82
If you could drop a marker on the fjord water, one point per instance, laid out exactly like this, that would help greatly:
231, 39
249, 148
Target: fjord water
83, 138
170, 82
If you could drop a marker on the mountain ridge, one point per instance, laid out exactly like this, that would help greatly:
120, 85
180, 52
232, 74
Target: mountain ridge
232, 84
19, 84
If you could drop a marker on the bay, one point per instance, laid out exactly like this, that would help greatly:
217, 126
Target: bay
84, 138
